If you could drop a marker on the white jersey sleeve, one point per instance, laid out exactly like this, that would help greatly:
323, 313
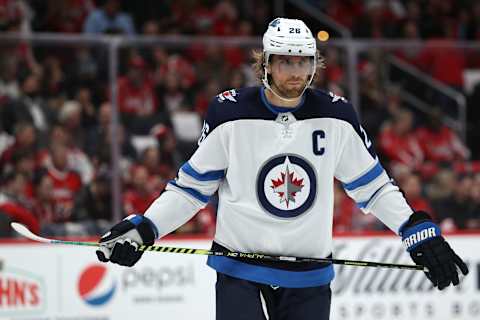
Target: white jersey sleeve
197, 180
365, 180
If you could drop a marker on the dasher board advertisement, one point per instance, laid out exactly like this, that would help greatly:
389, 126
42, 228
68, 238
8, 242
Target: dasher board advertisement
58, 282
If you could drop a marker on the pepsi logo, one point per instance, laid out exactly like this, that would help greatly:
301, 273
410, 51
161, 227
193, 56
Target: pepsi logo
96, 285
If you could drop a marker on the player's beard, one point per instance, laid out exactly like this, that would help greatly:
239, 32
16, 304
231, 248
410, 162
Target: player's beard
290, 91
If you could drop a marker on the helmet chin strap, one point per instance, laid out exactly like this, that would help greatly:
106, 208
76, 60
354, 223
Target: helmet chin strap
267, 85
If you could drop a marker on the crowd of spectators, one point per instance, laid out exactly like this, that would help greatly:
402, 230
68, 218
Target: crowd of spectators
56, 114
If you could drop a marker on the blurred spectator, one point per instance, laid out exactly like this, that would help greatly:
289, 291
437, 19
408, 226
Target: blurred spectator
88, 113
174, 97
77, 160
167, 148
109, 19
24, 162
226, 16
411, 185
136, 98
376, 22
98, 144
24, 140
410, 32
208, 67
54, 83
151, 28
334, 71
13, 204
372, 98
15, 15
66, 16
398, 142
70, 118
66, 183
29, 107
138, 197
455, 212
85, 69
160, 170
94, 201
345, 11
44, 204
441, 58
440, 143
9, 86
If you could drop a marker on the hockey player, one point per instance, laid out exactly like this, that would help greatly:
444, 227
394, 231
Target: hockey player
272, 153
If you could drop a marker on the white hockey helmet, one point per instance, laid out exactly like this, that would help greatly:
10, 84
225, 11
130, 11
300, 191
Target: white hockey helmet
289, 37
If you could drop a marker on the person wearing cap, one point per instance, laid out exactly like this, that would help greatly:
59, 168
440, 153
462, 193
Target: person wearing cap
272, 153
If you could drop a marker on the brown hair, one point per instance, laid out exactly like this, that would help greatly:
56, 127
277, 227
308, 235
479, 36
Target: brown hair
259, 60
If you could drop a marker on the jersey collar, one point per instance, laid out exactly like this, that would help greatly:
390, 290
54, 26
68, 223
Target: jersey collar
277, 109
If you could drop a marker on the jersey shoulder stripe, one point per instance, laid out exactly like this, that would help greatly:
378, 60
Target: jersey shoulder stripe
205, 176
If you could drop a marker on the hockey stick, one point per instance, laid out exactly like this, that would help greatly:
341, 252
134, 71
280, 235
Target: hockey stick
24, 231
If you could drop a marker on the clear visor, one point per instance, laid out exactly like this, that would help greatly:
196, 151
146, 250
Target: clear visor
293, 64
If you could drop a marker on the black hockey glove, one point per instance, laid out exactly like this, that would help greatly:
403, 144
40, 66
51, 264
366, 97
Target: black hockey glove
428, 248
120, 245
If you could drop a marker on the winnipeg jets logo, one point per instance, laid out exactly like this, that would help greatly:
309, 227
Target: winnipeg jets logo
227, 95
336, 98
286, 186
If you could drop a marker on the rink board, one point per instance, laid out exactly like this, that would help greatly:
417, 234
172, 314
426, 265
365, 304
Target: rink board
62, 282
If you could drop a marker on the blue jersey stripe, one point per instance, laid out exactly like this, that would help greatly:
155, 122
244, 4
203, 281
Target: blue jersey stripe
194, 193
207, 176
271, 276
364, 204
365, 179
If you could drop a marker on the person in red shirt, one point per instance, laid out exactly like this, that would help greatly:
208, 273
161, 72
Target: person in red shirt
398, 143
441, 58
66, 183
25, 139
411, 186
140, 195
136, 95
440, 143
13, 204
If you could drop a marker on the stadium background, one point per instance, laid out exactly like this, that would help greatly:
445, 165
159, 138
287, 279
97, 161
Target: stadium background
97, 113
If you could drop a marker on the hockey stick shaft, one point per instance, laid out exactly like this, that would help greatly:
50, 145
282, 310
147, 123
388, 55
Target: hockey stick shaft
22, 230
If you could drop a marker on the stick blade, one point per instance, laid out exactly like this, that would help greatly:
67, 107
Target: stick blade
24, 231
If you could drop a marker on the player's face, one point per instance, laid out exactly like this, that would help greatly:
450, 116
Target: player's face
290, 74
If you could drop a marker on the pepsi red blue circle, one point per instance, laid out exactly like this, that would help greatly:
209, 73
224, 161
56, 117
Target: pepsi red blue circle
96, 285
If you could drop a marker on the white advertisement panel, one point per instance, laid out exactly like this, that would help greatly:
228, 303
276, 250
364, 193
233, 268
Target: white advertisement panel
68, 283
53, 282
374, 293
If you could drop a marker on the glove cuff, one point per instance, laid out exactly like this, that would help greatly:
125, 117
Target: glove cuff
415, 218
418, 229
145, 227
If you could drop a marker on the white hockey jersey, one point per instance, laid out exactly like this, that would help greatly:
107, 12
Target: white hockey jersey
274, 170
